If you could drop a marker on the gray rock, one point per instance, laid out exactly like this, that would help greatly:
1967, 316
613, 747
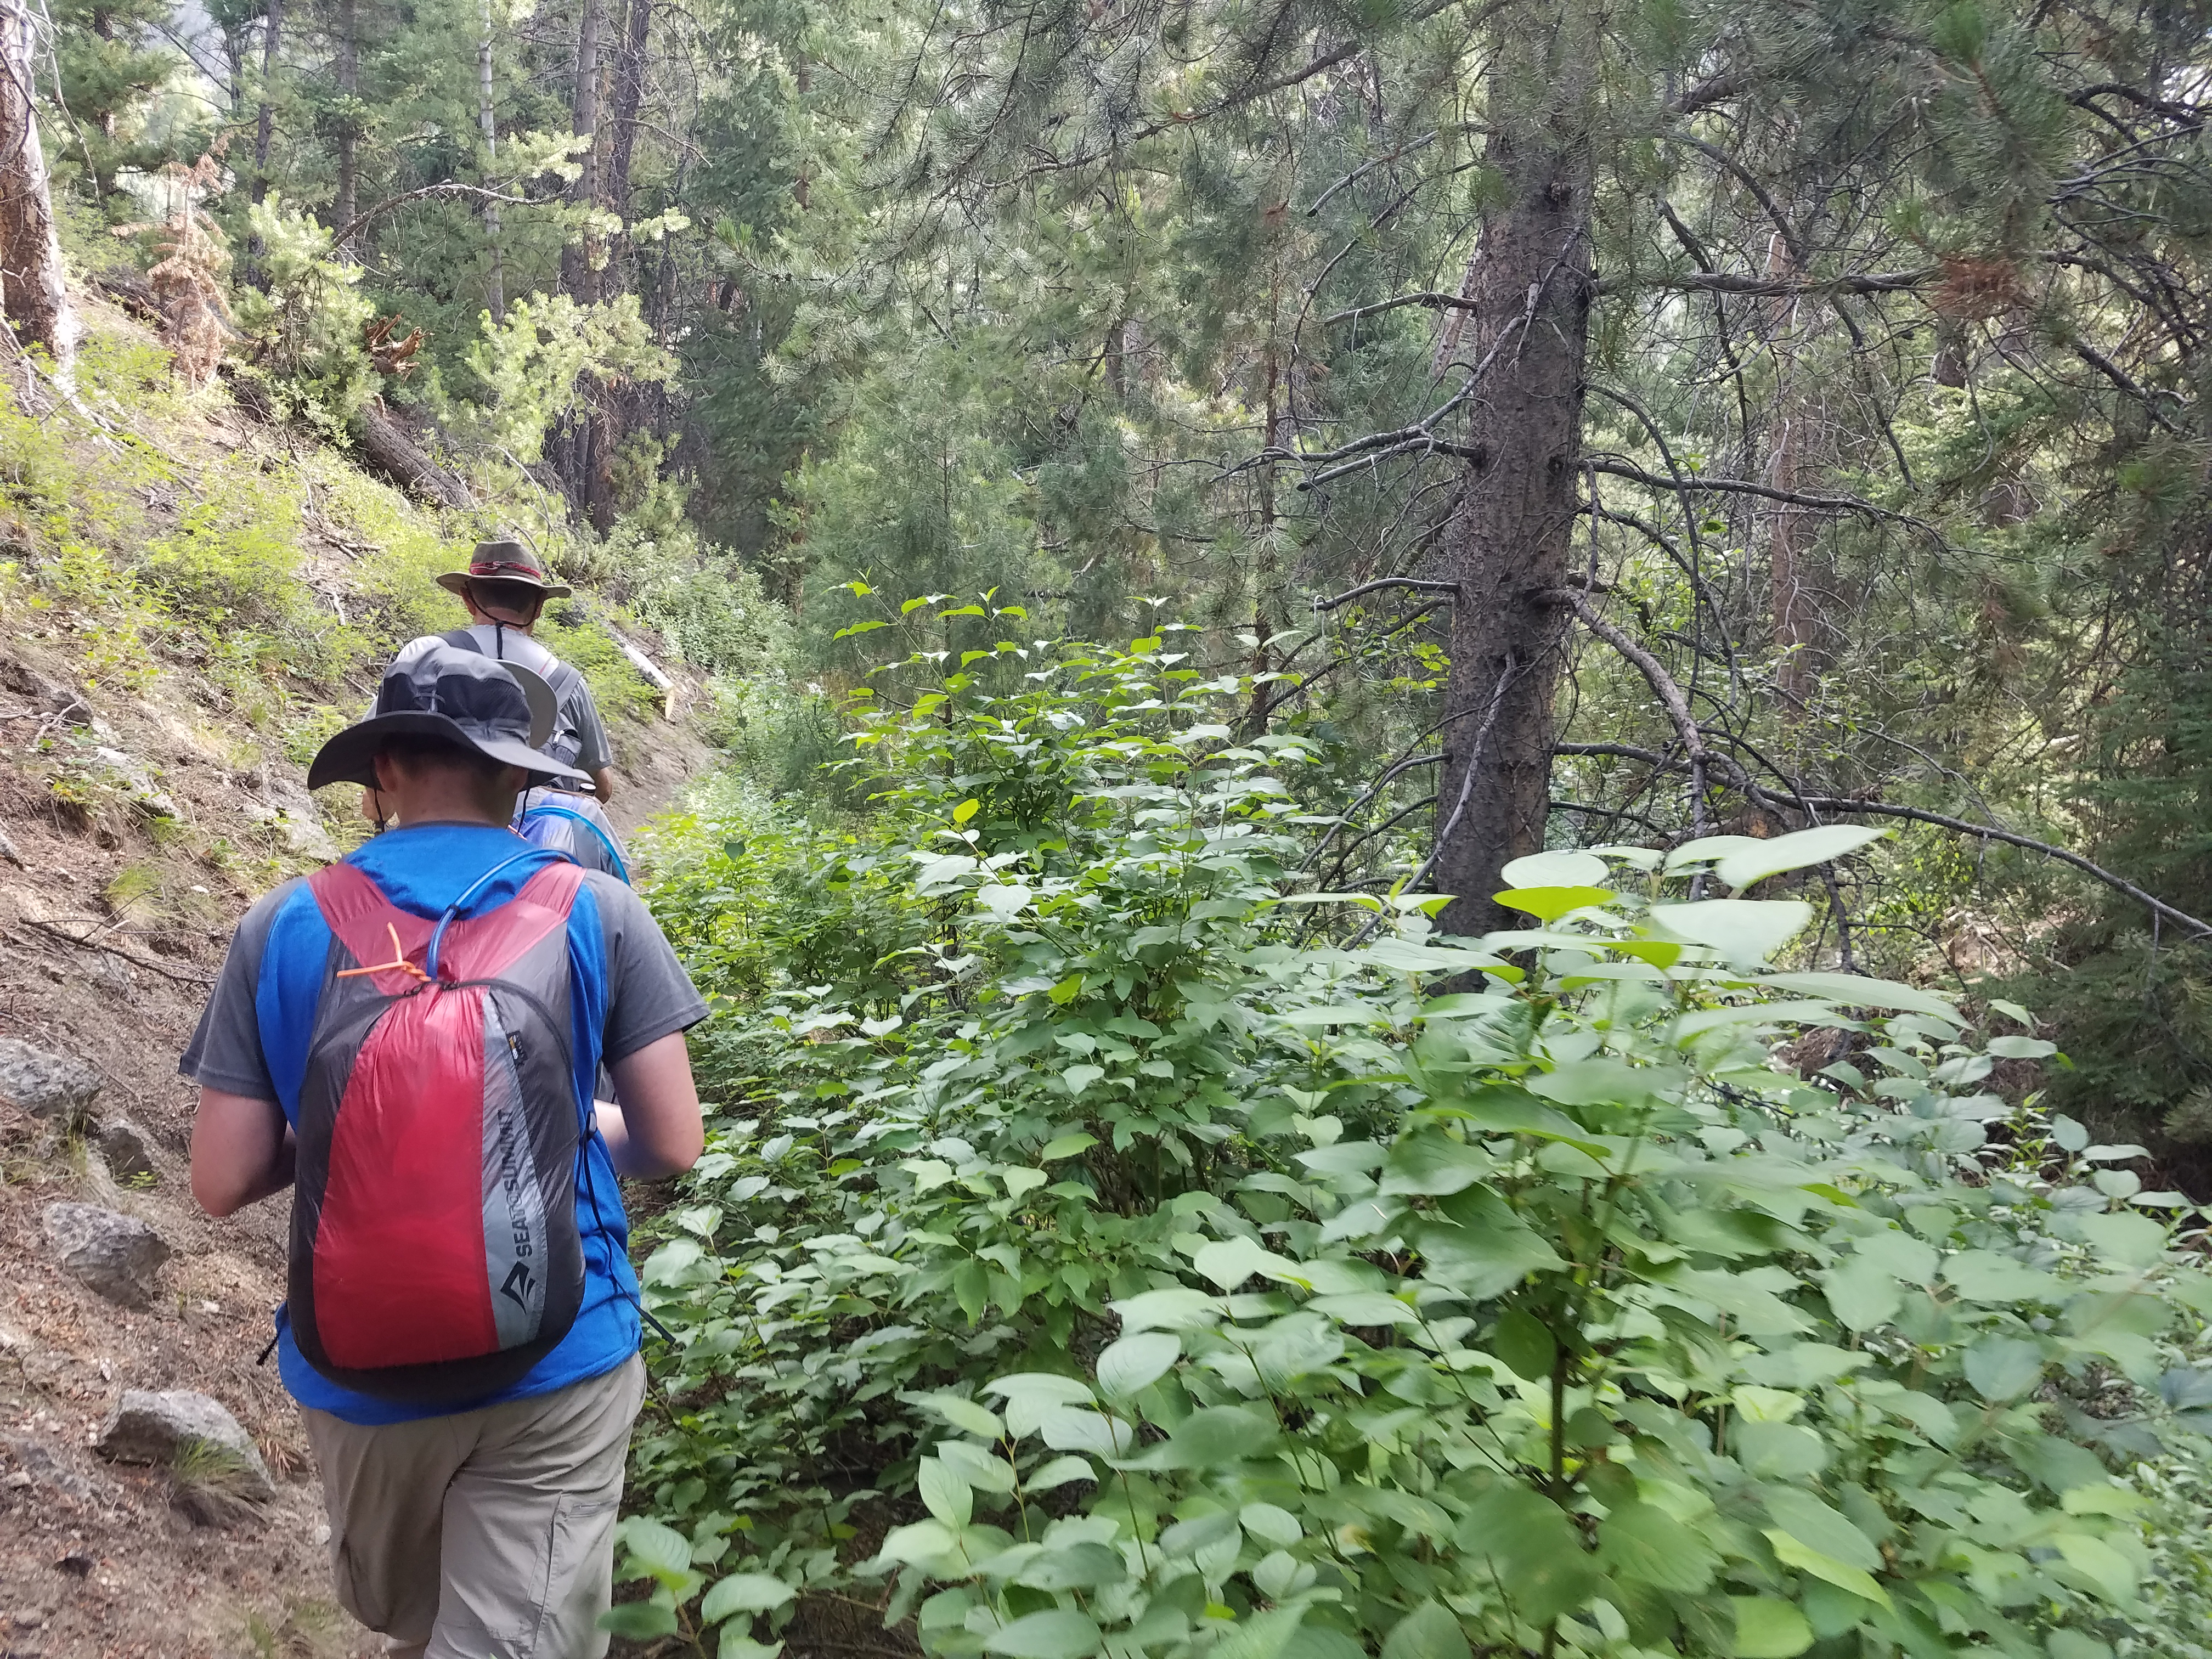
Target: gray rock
164, 1428
39, 1464
123, 1149
44, 1083
116, 1255
136, 781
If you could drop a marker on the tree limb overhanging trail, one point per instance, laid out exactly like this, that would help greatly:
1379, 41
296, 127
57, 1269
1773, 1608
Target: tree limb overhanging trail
352, 228
1419, 584
1699, 754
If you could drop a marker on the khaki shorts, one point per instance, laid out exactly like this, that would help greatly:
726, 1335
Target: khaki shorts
486, 1535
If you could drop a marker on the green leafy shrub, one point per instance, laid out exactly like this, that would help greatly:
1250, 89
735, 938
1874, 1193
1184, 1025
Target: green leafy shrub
306, 327
1102, 1247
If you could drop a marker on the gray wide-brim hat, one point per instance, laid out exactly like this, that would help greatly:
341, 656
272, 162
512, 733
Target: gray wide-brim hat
503, 561
500, 709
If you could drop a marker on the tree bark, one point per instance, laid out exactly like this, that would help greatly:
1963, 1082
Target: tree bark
264, 128
487, 122
272, 38
36, 297
577, 260
386, 445
347, 202
629, 99
1507, 542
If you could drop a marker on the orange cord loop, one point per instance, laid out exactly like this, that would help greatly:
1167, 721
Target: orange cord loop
398, 965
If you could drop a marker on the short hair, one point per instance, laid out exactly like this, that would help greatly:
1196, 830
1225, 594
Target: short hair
417, 750
506, 595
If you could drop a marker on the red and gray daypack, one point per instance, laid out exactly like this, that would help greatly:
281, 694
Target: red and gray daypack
434, 1251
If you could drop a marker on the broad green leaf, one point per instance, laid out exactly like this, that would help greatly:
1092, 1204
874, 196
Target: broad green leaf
1019, 1179
1365, 1308
1178, 1309
2004, 1368
944, 1493
744, 1592
1262, 1636
1136, 1362
1222, 1434
1643, 1544
1230, 1261
1779, 1451
2110, 1570
737, 1643
1084, 1564
1856, 991
1816, 1526
1550, 903
1067, 1146
1768, 1628
1076, 1079
1430, 1162
1745, 931
964, 1415
1556, 870
1522, 1342
1707, 848
918, 1544
660, 1549
1746, 865
1271, 1524
1058, 1473
1069, 1429
2021, 1047
1861, 1295
1431, 1630
1056, 1633
1986, 1276
639, 1620
980, 1469
1792, 1553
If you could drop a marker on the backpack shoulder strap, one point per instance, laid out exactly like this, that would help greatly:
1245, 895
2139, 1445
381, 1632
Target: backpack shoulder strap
484, 945
597, 834
373, 930
565, 677
463, 639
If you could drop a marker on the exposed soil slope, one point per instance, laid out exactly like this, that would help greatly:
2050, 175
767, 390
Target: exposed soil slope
142, 811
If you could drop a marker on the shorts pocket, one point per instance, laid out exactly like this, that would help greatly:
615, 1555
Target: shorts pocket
579, 1578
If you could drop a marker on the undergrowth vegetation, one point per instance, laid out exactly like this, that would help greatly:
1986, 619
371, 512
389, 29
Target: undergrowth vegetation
1108, 1242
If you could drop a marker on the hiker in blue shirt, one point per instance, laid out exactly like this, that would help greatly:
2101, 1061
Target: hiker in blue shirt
412, 1037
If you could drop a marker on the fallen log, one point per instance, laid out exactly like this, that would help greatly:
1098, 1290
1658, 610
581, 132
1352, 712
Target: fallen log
388, 447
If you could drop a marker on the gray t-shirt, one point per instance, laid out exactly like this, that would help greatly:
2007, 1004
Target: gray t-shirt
580, 737
649, 993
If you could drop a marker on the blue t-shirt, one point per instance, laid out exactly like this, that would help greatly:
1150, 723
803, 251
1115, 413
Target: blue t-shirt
626, 989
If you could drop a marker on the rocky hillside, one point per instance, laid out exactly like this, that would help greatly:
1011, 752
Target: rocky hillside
188, 599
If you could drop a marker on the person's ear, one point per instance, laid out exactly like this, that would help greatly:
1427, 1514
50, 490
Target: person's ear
387, 771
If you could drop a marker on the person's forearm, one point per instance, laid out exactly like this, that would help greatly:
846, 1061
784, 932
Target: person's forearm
628, 1158
222, 1191
603, 783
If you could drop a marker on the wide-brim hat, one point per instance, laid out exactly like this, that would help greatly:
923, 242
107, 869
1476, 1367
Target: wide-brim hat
462, 696
503, 561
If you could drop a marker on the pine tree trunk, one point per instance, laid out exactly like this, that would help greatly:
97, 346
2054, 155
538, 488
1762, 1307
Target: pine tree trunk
487, 122
578, 260
348, 201
1506, 546
264, 129
272, 39
629, 99
36, 298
